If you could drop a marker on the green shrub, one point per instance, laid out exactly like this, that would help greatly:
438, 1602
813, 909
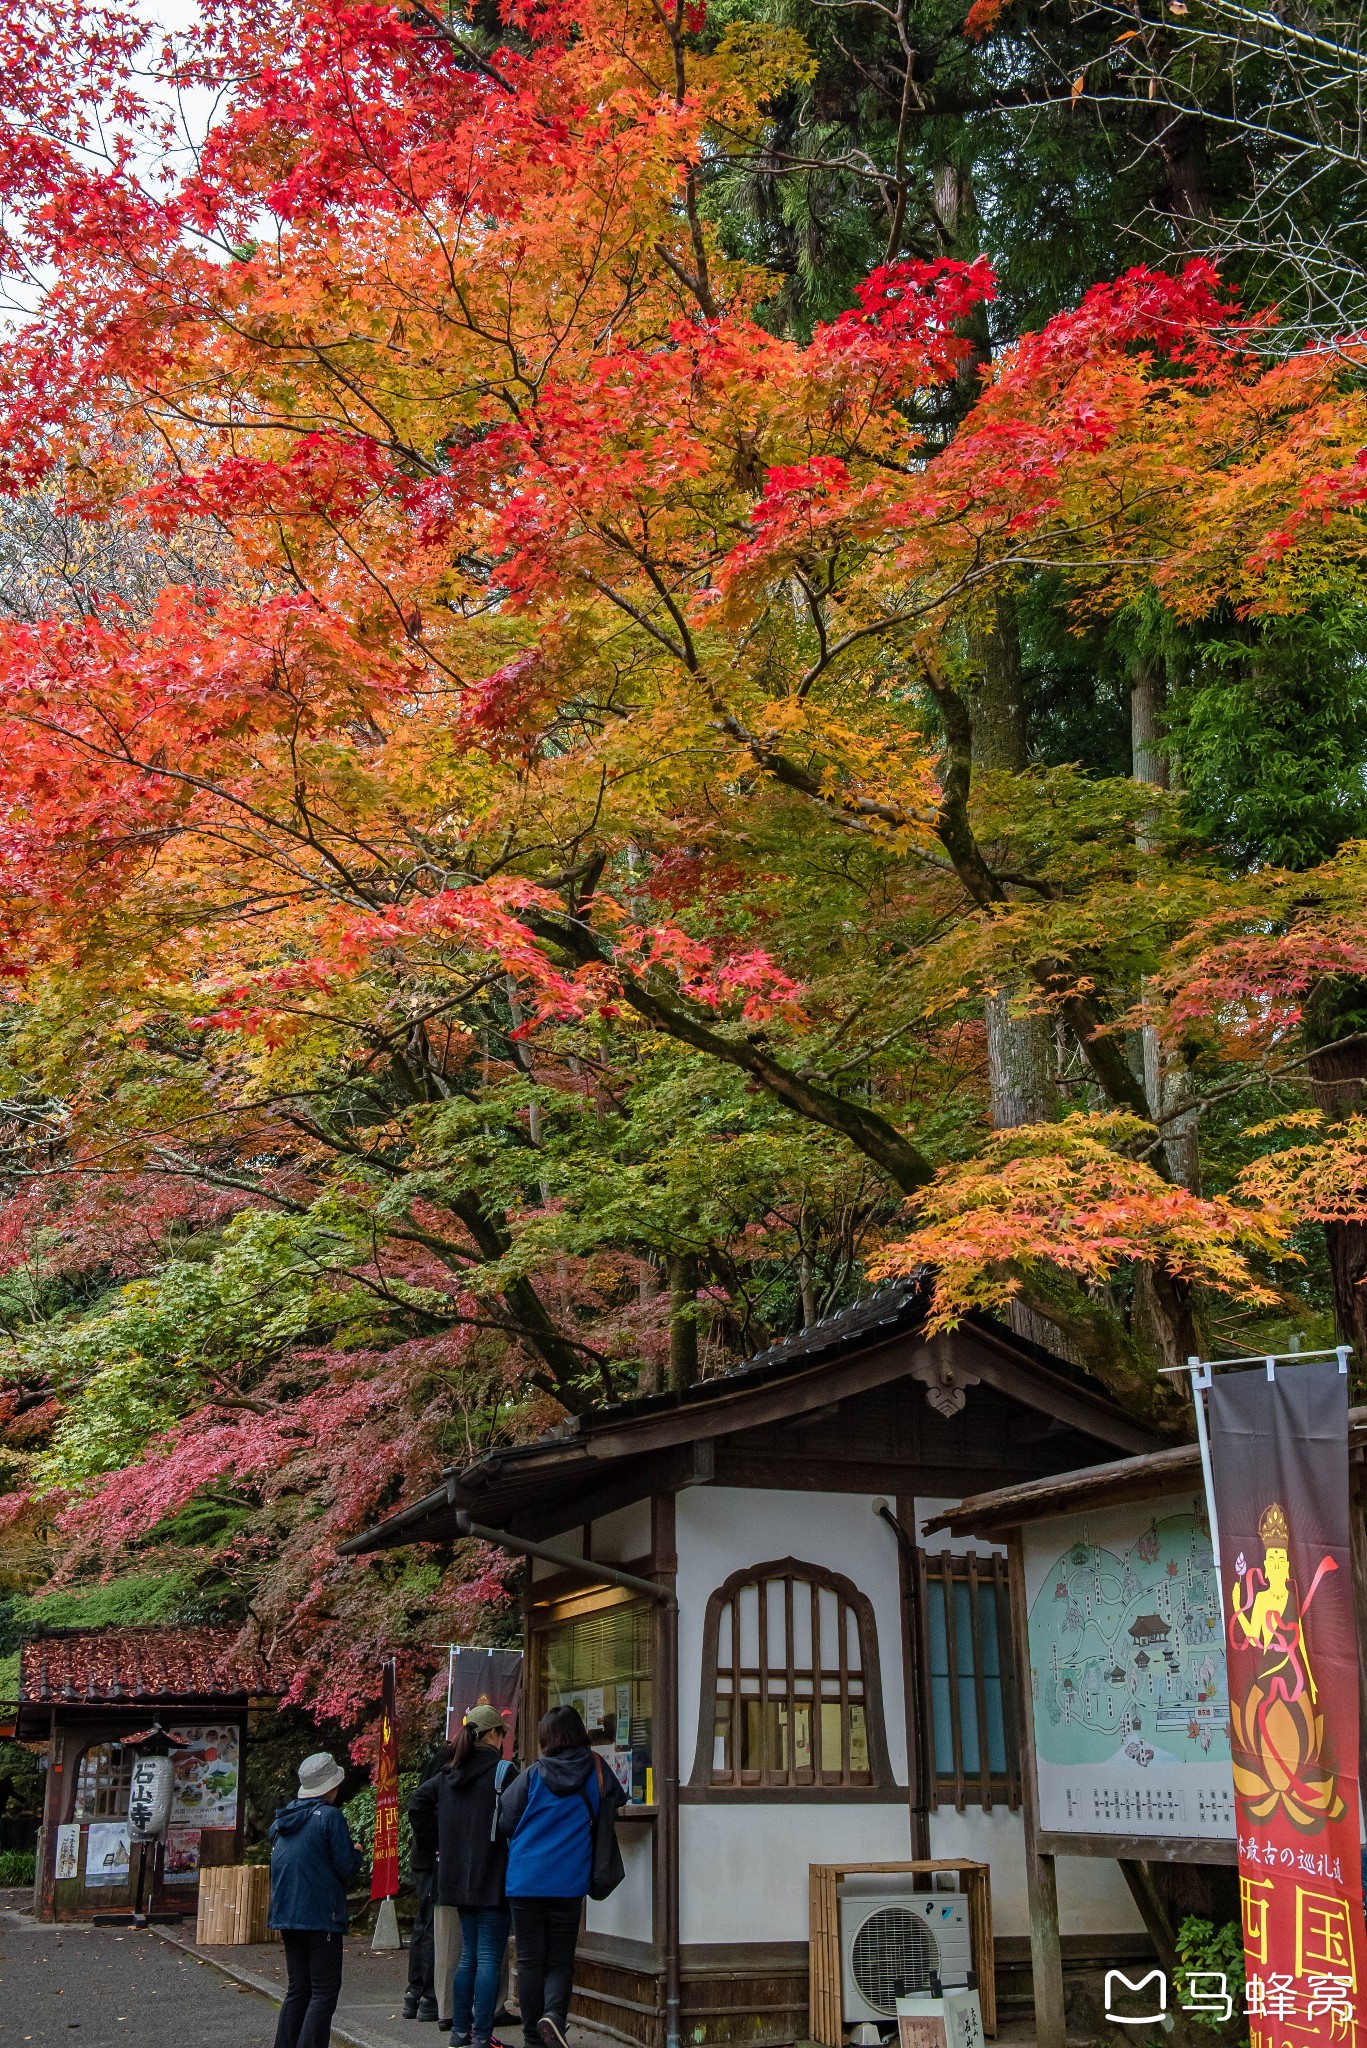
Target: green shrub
360, 1818
1201, 1948
17, 1866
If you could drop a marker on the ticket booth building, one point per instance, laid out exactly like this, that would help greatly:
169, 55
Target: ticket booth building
736, 1600
89, 1694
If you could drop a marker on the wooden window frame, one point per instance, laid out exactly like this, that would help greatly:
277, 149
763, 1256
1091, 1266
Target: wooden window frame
116, 1776
566, 1597
940, 1572
788, 1573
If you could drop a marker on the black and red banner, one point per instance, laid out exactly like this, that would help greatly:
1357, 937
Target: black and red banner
485, 1678
1279, 1455
384, 1862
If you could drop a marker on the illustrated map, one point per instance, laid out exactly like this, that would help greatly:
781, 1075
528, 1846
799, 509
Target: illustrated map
1127, 1664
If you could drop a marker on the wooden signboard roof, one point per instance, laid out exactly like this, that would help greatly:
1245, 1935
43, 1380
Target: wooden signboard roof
1174, 1470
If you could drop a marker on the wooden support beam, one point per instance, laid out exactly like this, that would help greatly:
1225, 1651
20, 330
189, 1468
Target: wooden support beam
1139, 1877
1046, 1950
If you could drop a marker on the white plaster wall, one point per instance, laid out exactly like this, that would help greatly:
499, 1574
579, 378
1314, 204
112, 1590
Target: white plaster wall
628, 1913
571, 1540
745, 1866
623, 1537
1093, 1898
720, 1529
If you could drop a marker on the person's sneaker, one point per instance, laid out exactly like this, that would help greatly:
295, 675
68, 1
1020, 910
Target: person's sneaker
552, 2033
460, 2041
410, 2008
427, 2009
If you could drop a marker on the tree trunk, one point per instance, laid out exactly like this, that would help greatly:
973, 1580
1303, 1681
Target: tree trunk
959, 223
1167, 1087
1338, 1086
683, 1321
1020, 1046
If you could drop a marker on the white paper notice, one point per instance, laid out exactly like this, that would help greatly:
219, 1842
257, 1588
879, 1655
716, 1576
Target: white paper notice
106, 1852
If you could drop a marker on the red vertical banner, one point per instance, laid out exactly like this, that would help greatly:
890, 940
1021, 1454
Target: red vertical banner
1279, 1456
384, 1861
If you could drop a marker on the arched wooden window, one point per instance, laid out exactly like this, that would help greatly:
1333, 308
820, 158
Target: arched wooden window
791, 1689
104, 1779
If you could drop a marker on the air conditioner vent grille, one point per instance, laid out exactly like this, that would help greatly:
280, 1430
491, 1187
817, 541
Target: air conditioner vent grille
893, 1953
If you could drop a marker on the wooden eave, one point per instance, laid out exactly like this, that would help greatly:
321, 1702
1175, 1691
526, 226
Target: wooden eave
632, 1449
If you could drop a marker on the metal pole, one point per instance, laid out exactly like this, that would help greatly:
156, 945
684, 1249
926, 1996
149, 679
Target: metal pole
587, 1567
1200, 1381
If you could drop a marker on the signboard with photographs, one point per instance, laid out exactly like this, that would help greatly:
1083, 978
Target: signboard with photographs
182, 1856
207, 1776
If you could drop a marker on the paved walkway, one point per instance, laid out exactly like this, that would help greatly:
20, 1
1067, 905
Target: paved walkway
78, 1986
112, 1986
84, 1987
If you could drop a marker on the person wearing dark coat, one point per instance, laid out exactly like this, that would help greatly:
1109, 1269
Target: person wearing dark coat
313, 1859
420, 1999
549, 1814
454, 1813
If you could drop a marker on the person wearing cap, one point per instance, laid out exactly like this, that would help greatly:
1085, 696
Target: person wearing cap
313, 1859
455, 1814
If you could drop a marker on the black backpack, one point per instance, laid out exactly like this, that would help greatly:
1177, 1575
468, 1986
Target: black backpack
607, 1869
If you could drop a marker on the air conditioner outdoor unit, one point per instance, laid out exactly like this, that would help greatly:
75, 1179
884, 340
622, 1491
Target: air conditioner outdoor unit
894, 1940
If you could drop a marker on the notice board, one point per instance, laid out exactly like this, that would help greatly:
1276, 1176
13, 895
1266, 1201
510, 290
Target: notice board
1127, 1674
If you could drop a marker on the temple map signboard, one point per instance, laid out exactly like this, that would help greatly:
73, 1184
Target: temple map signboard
1127, 1674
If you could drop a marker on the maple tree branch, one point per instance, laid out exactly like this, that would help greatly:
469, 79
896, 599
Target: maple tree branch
873, 1135
446, 35
697, 286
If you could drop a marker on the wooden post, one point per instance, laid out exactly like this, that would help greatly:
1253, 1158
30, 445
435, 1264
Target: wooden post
978, 1884
915, 1692
1046, 1949
664, 1564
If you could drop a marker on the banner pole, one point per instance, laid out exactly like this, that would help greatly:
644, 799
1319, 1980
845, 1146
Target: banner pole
1200, 1381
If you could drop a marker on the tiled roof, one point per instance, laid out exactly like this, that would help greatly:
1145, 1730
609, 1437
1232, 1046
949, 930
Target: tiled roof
68, 1664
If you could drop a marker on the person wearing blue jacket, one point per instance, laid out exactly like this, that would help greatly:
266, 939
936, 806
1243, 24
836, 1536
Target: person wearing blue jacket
313, 1859
549, 1812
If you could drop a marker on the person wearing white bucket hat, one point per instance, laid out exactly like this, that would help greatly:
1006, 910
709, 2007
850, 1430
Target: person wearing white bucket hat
313, 1859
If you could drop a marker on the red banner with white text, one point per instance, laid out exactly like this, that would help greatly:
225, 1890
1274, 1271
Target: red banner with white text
384, 1862
1279, 1452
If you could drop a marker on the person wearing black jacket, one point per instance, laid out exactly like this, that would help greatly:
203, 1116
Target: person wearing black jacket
454, 1814
420, 2000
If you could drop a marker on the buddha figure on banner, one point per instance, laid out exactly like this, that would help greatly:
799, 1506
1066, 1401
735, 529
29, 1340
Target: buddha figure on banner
1277, 1728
